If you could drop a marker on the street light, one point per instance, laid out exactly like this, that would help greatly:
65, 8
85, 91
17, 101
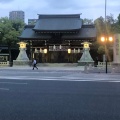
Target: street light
105, 40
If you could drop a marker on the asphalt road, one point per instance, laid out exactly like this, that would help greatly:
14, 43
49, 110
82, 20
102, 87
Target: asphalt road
54, 96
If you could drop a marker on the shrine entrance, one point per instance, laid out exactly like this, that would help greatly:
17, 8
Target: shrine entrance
55, 55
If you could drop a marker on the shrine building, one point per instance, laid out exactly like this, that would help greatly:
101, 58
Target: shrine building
57, 38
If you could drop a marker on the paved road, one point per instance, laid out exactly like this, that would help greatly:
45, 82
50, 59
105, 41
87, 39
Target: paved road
58, 95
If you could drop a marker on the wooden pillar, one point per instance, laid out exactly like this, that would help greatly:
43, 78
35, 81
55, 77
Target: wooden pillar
31, 51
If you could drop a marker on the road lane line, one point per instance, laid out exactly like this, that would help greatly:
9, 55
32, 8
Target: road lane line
4, 89
60, 79
12, 83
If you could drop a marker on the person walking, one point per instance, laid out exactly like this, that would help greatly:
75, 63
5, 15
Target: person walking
34, 64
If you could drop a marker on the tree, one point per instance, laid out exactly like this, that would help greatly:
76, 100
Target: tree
87, 21
109, 27
101, 50
116, 25
118, 19
9, 30
100, 26
110, 19
103, 28
18, 25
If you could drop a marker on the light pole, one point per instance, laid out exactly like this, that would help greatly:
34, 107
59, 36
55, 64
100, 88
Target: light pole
106, 39
105, 11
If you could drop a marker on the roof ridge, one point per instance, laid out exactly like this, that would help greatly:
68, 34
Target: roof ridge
59, 15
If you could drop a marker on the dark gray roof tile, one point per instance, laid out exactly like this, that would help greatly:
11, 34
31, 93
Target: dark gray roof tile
58, 23
28, 33
85, 32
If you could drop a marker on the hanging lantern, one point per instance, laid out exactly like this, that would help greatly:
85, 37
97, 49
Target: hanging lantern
69, 51
78, 50
60, 47
74, 50
45, 50
54, 47
36, 51
41, 51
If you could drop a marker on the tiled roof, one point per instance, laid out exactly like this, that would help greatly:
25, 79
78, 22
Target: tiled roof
87, 31
28, 33
58, 23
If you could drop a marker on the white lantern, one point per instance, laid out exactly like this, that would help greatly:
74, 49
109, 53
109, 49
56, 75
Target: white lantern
69, 51
78, 50
36, 50
45, 51
41, 51
54, 47
60, 47
74, 50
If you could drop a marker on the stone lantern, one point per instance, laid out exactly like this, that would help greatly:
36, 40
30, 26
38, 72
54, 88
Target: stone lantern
86, 57
22, 58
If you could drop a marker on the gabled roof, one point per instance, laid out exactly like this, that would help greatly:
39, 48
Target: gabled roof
58, 22
28, 33
86, 32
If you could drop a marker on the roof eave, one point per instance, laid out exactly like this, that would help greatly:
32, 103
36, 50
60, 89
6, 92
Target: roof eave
80, 38
70, 30
22, 38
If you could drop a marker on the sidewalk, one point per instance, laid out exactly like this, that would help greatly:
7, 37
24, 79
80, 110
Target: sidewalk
65, 68
68, 68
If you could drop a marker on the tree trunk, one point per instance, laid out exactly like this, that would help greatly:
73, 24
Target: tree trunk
10, 58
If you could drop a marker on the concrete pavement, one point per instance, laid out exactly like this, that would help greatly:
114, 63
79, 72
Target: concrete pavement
88, 69
81, 68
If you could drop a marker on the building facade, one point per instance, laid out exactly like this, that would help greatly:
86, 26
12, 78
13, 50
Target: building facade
17, 15
57, 38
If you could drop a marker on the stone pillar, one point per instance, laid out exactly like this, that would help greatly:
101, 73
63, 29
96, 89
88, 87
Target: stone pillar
86, 58
116, 49
22, 58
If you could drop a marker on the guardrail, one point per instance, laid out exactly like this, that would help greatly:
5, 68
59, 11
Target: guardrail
103, 64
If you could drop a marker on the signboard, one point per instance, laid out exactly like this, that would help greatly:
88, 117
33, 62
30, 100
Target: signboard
4, 57
116, 49
58, 48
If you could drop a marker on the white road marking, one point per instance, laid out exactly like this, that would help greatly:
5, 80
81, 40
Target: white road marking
62, 78
66, 79
114, 81
4, 89
12, 83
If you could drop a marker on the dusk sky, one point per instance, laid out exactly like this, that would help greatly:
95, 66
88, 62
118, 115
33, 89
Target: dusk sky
90, 9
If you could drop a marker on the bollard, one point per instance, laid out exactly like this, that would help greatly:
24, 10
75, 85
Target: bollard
85, 69
113, 70
90, 66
